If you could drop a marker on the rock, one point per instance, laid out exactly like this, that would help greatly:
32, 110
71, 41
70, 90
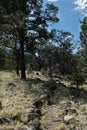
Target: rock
72, 127
31, 128
30, 110
74, 111
38, 111
69, 104
11, 85
68, 118
37, 103
72, 97
42, 97
35, 124
32, 113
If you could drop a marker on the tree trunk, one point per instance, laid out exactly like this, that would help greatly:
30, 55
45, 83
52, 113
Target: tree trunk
17, 70
77, 86
50, 66
78, 93
22, 59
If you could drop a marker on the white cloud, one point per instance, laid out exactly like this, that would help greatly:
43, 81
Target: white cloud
81, 4
52, 0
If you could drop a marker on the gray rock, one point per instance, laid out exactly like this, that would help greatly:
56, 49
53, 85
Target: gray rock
74, 111
31, 128
67, 118
37, 103
38, 111
72, 127
35, 124
42, 97
30, 110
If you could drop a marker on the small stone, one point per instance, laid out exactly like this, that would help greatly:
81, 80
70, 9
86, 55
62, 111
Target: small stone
30, 110
67, 118
31, 128
72, 127
35, 124
74, 111
43, 96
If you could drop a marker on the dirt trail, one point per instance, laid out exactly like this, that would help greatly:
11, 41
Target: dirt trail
52, 117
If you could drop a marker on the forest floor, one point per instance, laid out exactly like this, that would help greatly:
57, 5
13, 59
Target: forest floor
41, 103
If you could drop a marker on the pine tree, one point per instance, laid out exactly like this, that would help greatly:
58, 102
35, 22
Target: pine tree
26, 22
83, 40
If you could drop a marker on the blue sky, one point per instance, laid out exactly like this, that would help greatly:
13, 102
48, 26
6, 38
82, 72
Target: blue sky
70, 12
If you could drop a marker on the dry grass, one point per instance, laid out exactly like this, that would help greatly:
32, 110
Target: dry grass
17, 96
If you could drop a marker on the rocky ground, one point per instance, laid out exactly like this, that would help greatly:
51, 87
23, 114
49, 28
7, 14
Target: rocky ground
41, 103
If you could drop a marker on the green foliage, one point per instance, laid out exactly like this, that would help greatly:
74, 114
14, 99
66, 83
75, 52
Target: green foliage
60, 57
83, 33
43, 71
79, 78
83, 51
23, 31
51, 86
65, 53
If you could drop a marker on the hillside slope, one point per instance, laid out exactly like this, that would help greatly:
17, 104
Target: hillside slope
40, 103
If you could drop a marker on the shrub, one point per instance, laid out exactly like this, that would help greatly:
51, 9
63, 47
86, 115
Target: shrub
51, 85
78, 78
